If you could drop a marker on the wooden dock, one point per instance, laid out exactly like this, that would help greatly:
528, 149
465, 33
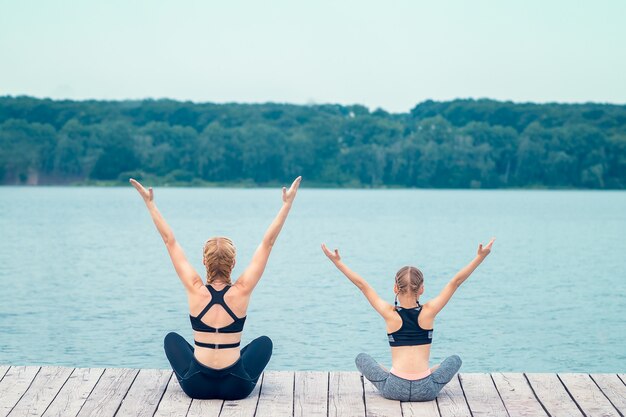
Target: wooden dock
77, 392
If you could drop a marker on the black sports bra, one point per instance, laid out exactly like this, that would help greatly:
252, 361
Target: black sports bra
217, 297
410, 334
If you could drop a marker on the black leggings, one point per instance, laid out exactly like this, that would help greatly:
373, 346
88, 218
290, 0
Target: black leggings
231, 383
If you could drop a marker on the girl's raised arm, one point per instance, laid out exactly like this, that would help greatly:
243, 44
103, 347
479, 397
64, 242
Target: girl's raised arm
184, 269
434, 306
381, 306
251, 276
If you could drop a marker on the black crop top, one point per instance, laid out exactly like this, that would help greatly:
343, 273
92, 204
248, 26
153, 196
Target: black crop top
217, 297
410, 334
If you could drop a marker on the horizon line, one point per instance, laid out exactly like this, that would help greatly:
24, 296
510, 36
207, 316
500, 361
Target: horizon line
312, 103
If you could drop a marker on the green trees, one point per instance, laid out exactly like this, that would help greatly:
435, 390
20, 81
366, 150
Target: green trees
26, 151
456, 144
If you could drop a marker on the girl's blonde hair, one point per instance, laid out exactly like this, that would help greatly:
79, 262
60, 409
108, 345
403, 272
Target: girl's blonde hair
409, 279
219, 259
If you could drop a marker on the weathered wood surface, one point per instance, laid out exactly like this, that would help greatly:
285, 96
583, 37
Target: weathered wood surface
276, 399
74, 393
482, 396
420, 409
518, 397
311, 394
588, 396
107, 395
3, 370
204, 408
614, 389
14, 384
41, 392
345, 395
553, 395
68, 392
143, 397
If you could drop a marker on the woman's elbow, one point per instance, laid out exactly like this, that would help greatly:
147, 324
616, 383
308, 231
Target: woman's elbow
269, 241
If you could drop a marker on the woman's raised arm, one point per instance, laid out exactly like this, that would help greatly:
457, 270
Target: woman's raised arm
381, 306
184, 269
434, 306
251, 276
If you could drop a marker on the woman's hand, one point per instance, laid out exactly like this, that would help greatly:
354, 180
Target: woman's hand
290, 194
333, 256
484, 251
147, 195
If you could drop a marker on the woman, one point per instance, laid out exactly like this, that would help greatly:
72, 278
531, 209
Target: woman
410, 332
217, 368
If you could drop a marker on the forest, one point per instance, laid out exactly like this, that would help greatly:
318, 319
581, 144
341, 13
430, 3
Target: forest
453, 144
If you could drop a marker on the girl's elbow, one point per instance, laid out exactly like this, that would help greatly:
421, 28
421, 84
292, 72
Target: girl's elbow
169, 239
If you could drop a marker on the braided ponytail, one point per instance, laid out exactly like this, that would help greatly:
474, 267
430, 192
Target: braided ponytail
409, 279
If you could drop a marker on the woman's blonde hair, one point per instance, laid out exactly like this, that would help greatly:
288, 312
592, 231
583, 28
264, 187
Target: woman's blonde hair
219, 259
409, 279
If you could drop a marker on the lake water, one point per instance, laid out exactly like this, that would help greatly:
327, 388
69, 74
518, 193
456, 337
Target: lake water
85, 279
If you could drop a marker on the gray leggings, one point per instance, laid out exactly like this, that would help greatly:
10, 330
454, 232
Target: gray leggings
396, 388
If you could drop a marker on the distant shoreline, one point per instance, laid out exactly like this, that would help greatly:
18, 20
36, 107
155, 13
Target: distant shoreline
460, 144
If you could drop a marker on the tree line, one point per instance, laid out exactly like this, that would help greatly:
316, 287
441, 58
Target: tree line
453, 144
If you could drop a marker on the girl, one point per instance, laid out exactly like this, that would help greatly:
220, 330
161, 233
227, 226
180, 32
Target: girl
216, 367
410, 332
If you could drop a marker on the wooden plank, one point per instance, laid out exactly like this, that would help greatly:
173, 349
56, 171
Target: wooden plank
481, 394
622, 377
311, 394
451, 400
552, 395
74, 393
518, 397
378, 406
57, 391
14, 384
3, 370
613, 388
588, 396
205, 408
42, 390
146, 392
108, 393
419, 409
276, 399
345, 395
174, 402
245, 407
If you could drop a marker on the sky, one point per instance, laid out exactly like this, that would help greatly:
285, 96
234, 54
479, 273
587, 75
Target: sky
383, 54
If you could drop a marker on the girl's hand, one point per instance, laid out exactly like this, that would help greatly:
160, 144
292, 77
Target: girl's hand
290, 194
147, 195
483, 252
333, 256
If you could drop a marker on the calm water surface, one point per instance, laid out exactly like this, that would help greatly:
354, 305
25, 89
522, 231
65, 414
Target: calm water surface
85, 279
